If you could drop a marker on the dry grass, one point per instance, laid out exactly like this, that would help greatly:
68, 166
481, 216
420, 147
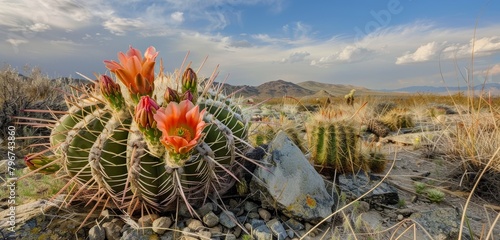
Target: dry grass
32, 91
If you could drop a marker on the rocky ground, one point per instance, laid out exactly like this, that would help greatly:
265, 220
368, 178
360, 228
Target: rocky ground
418, 197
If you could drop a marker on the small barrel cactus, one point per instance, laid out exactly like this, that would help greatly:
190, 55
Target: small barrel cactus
397, 118
333, 142
147, 141
377, 127
335, 146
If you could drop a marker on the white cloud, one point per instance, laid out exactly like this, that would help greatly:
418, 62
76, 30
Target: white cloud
37, 16
483, 46
348, 54
39, 27
296, 57
423, 53
120, 26
177, 17
16, 42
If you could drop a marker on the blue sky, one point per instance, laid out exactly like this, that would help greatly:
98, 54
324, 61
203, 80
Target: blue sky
383, 44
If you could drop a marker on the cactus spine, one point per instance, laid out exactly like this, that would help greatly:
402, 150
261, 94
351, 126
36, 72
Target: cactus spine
149, 141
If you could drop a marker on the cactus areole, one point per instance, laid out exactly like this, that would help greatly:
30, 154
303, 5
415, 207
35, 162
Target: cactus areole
148, 141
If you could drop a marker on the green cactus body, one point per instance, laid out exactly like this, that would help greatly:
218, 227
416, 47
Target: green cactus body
334, 145
102, 148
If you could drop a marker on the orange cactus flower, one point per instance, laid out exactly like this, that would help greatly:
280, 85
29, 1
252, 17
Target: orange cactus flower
181, 125
136, 72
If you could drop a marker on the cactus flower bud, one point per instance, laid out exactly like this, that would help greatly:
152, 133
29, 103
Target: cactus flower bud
188, 80
188, 96
144, 117
171, 95
41, 162
144, 112
111, 91
190, 83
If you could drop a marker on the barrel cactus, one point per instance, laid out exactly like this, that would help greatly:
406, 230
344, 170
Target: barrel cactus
336, 147
334, 142
146, 141
397, 118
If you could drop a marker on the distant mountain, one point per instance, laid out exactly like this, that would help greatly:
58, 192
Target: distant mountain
272, 89
337, 89
280, 88
488, 87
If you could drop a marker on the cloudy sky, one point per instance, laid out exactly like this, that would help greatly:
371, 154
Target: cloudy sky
376, 44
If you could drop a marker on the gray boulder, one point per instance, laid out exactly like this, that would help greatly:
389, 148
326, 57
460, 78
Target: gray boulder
289, 183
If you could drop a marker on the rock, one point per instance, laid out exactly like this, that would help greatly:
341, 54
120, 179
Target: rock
194, 224
277, 228
294, 224
205, 209
160, 225
355, 185
264, 214
42, 219
441, 223
237, 232
227, 219
372, 221
113, 230
142, 234
147, 220
289, 183
210, 219
254, 215
257, 222
250, 206
205, 234
262, 232
97, 233
230, 236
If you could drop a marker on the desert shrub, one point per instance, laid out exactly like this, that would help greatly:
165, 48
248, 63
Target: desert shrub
20, 93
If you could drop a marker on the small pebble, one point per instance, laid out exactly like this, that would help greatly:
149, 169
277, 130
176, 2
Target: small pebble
250, 206
233, 203
147, 220
210, 219
205, 209
248, 226
400, 217
237, 232
227, 219
215, 230
253, 215
113, 230
194, 224
97, 233
230, 236
160, 225
205, 234
264, 214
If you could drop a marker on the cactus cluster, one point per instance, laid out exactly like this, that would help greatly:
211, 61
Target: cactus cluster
147, 141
